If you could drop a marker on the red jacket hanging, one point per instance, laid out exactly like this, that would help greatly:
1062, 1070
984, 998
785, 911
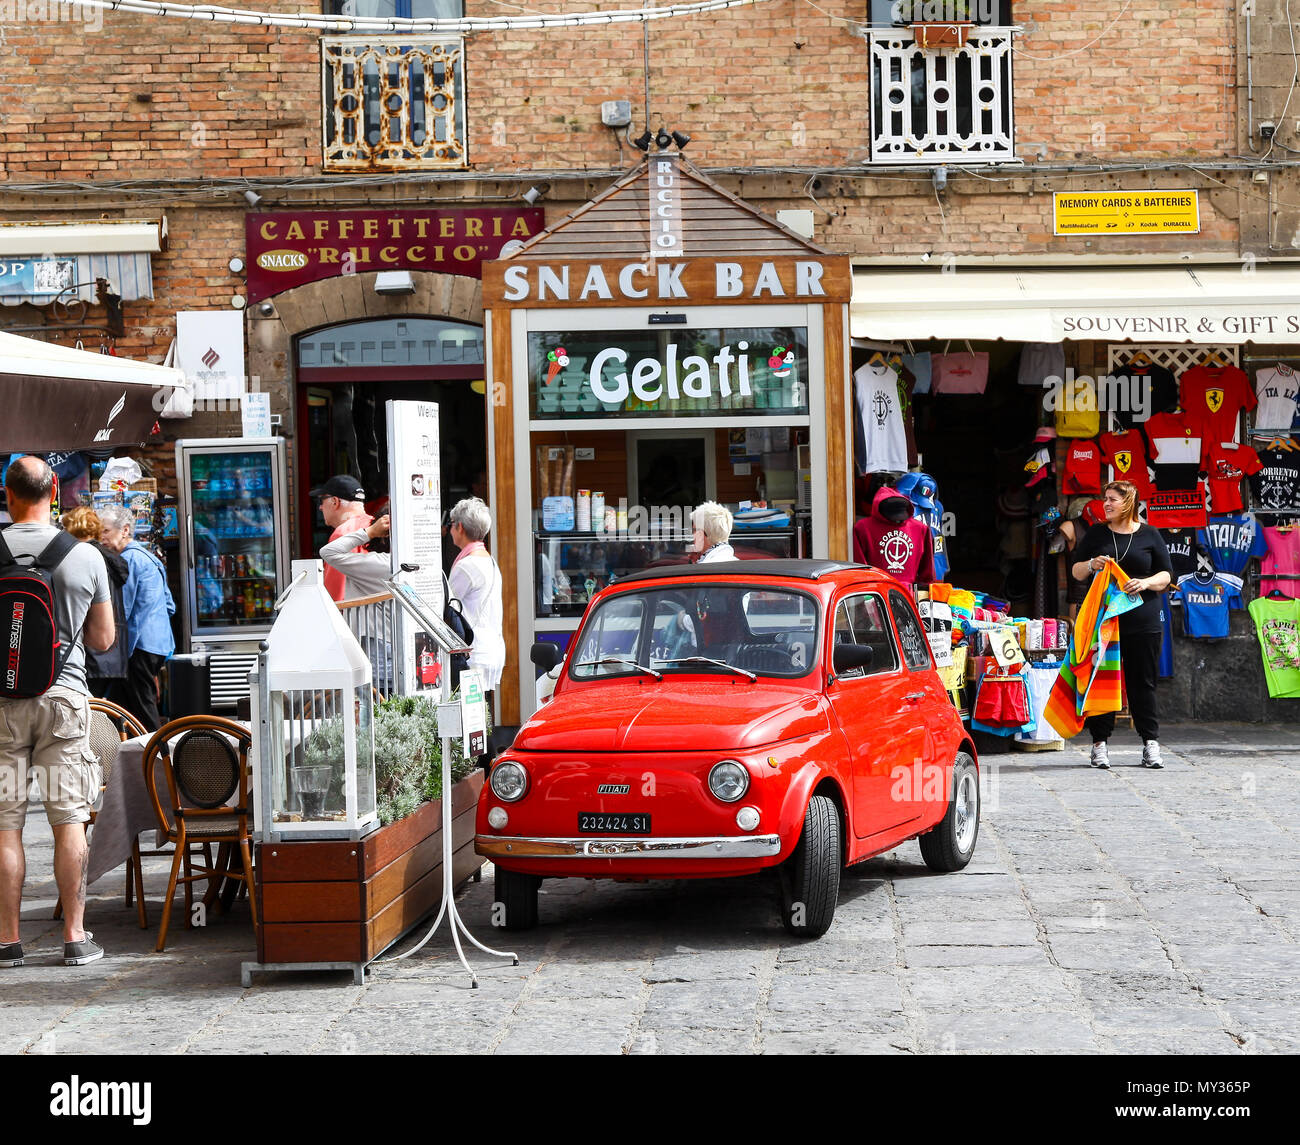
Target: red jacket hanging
904, 550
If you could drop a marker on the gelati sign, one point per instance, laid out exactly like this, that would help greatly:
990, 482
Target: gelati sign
285, 249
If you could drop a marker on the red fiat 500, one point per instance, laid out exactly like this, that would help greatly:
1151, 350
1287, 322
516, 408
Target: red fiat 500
724, 718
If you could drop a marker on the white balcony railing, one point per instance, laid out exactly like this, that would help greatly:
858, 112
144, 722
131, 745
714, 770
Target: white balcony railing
392, 102
946, 105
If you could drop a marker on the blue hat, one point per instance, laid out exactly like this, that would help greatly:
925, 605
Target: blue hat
919, 488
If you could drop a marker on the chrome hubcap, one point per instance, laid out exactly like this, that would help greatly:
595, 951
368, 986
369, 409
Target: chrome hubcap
967, 807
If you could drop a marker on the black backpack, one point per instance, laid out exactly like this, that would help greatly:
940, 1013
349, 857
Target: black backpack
33, 657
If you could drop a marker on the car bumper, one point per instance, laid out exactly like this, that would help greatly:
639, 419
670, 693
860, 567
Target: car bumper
606, 847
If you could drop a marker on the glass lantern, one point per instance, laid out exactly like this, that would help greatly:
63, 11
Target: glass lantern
313, 722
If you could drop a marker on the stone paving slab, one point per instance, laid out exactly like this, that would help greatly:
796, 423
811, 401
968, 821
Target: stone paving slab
1104, 913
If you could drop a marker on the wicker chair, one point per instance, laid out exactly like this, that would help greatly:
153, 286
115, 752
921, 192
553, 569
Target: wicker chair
111, 725
207, 793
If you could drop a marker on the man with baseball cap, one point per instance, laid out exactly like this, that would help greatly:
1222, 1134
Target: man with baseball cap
342, 505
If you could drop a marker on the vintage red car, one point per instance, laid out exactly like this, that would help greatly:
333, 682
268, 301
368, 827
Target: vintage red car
720, 719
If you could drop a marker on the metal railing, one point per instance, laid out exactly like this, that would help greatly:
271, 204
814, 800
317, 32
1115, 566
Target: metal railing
373, 621
941, 105
392, 102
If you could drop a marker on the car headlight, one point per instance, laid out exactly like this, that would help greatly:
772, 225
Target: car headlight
728, 780
509, 780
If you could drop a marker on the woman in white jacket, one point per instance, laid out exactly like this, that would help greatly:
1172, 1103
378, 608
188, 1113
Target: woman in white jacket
476, 582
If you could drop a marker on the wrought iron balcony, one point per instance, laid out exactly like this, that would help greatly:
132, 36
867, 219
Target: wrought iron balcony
392, 102
941, 105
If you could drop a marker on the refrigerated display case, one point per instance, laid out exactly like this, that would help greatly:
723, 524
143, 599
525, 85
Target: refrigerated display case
234, 552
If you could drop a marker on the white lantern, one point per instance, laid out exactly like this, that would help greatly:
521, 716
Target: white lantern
313, 723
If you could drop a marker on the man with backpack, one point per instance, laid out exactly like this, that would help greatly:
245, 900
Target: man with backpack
54, 592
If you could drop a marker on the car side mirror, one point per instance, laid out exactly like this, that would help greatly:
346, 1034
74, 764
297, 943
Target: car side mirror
846, 657
545, 655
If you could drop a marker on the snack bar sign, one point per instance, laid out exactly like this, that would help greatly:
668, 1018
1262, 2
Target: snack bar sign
291, 248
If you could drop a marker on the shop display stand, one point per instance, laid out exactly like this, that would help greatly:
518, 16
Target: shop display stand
447, 644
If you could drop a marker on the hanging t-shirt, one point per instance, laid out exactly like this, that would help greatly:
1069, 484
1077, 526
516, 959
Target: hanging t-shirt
1126, 454
1213, 396
1231, 541
1153, 390
1175, 444
1040, 361
876, 390
1277, 389
1206, 601
1082, 468
1277, 484
1280, 567
960, 373
1076, 409
919, 365
1225, 466
1277, 626
1182, 547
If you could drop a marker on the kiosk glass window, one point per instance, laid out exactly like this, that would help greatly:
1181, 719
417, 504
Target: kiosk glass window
747, 371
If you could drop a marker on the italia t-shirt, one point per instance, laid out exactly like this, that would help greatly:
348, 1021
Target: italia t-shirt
1206, 603
1231, 541
1225, 466
1182, 547
1277, 625
1082, 468
1277, 484
1277, 389
876, 391
1126, 454
1213, 396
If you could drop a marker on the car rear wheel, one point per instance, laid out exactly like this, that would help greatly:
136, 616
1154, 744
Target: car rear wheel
516, 899
951, 844
810, 878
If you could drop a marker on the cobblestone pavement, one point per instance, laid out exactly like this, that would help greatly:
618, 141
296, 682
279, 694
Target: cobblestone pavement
1121, 912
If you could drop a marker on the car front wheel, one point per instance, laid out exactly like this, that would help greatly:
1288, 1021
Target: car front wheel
516, 900
951, 844
810, 878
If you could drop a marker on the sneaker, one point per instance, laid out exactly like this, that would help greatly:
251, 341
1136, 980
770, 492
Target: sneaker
1100, 759
1151, 755
11, 954
80, 953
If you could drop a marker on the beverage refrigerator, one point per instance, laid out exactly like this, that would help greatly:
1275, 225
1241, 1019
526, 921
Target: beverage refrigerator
234, 528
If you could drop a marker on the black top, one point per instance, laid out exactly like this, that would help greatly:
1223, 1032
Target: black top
1141, 554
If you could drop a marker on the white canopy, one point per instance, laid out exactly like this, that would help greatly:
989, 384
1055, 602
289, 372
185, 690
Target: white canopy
56, 398
1207, 305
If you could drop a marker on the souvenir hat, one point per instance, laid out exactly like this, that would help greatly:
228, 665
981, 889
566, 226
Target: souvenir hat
919, 488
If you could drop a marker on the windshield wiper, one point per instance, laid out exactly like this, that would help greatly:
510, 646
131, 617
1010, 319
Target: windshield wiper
712, 663
620, 660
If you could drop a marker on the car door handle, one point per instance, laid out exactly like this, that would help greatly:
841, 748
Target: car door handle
914, 696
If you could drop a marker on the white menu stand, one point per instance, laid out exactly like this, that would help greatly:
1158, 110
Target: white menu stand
449, 727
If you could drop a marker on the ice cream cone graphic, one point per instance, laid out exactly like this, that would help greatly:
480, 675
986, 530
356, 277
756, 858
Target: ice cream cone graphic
558, 359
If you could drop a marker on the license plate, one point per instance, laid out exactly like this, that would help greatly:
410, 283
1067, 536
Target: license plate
611, 823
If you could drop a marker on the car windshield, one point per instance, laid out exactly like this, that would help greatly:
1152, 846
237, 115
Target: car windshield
713, 628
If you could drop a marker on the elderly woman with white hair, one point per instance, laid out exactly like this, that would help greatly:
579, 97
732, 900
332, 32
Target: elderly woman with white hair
475, 581
712, 524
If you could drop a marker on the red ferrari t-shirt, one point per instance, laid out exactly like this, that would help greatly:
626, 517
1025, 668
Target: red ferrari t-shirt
1225, 468
1126, 454
1213, 396
1082, 468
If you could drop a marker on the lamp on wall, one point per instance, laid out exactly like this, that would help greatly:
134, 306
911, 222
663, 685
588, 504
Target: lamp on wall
394, 282
252, 198
532, 195
642, 141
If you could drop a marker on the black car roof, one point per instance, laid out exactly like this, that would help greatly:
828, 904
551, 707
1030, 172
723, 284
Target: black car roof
799, 570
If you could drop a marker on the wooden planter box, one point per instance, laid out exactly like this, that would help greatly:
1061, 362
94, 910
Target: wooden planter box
931, 36
338, 901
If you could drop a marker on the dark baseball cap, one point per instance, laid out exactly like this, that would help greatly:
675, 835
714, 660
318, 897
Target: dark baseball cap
342, 486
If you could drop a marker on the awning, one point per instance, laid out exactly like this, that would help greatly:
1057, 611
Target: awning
109, 236
57, 399
1208, 305
116, 249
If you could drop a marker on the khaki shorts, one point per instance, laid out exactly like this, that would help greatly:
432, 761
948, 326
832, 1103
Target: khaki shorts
46, 737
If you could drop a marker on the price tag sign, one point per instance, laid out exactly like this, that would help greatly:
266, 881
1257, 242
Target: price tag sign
1006, 648
473, 713
941, 646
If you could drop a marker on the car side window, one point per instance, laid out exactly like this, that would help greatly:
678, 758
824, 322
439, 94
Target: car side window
861, 620
916, 645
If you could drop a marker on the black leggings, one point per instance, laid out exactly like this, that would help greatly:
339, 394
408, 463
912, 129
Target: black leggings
1140, 655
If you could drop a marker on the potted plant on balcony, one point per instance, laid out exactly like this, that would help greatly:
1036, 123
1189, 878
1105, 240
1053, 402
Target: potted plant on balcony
937, 23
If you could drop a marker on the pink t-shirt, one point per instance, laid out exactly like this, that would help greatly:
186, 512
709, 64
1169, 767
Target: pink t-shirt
1283, 558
